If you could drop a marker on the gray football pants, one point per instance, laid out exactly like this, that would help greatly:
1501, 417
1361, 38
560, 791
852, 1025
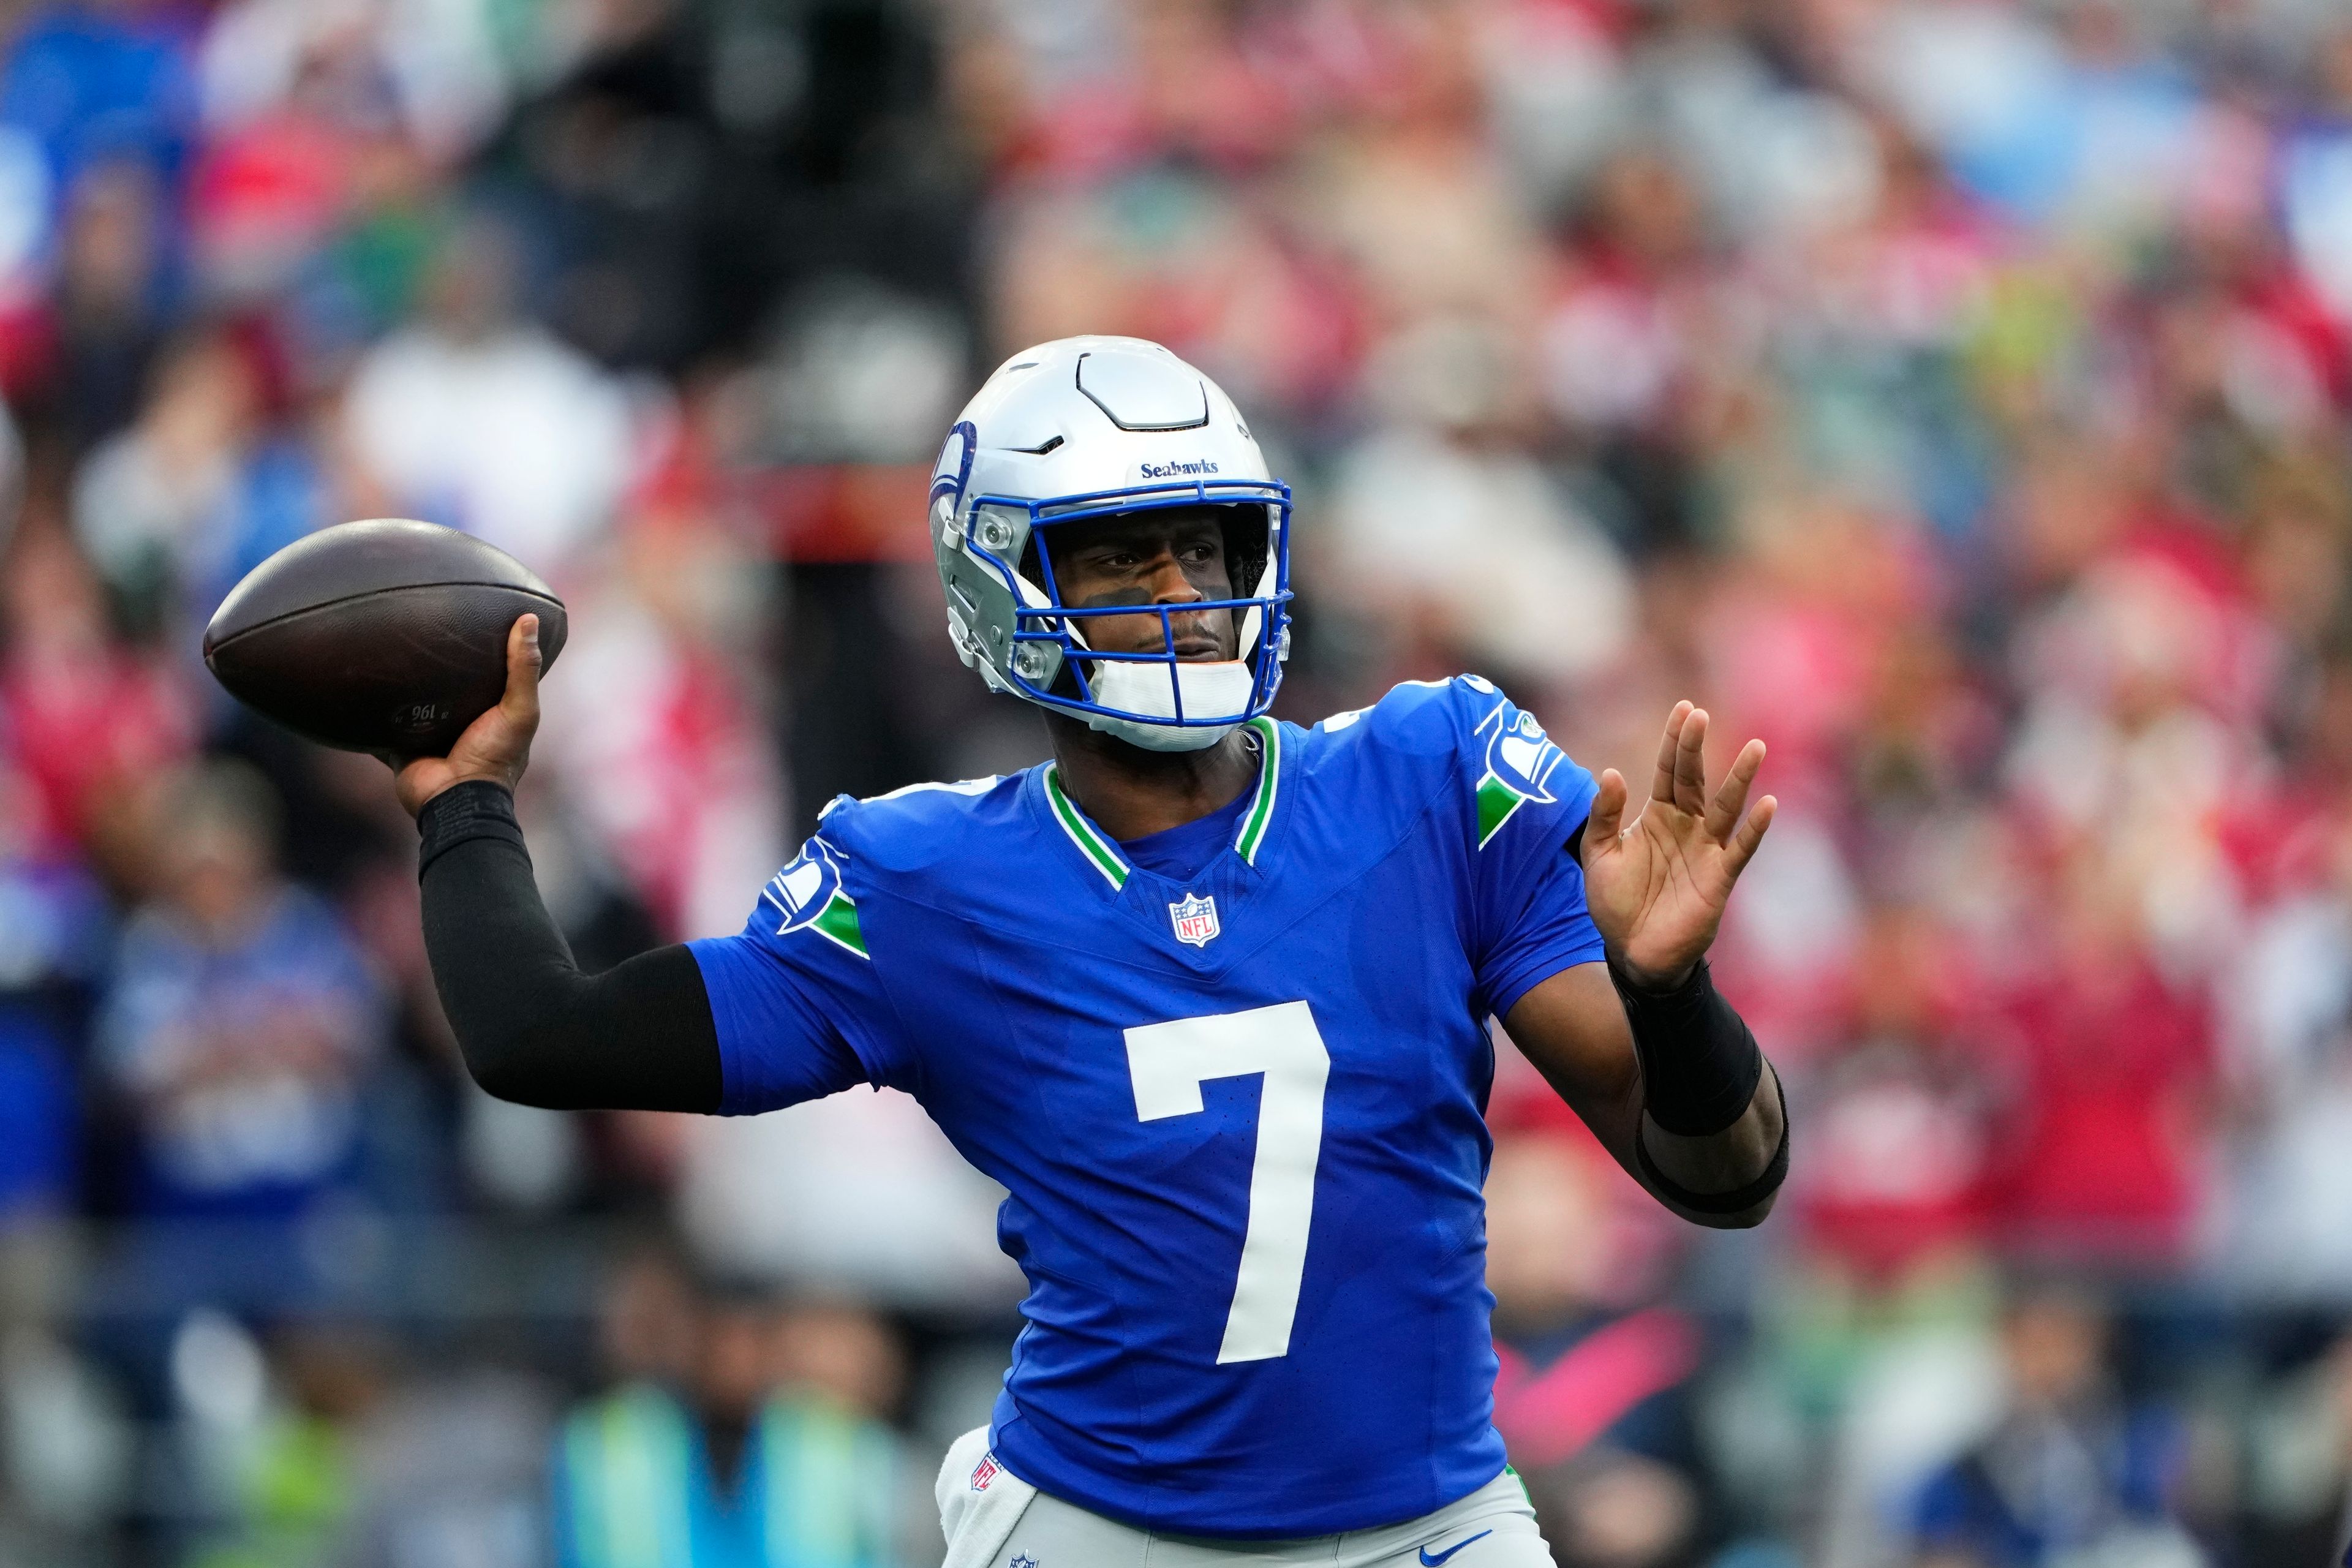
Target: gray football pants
1494, 1527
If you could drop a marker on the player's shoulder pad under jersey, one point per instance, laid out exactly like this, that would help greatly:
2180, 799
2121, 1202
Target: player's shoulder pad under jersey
859, 847
1427, 717
1468, 727
917, 827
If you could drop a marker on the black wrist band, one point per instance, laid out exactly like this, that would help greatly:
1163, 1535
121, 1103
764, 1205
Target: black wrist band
1699, 1062
1739, 1200
474, 809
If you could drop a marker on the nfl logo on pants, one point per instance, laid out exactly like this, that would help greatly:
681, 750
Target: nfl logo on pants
1195, 920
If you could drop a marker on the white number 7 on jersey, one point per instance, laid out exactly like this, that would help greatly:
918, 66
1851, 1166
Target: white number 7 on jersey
1169, 1063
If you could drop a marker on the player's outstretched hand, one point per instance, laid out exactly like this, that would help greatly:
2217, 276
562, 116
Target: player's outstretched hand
1657, 887
496, 746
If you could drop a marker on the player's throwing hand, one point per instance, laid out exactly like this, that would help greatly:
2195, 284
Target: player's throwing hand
496, 746
1657, 886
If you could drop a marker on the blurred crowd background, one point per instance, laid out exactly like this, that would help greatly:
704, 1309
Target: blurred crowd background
1956, 393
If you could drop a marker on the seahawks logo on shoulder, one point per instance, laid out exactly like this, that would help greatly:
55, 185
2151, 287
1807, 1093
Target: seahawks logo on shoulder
1520, 759
809, 896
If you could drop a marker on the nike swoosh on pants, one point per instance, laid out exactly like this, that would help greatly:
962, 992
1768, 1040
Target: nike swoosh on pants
1429, 1561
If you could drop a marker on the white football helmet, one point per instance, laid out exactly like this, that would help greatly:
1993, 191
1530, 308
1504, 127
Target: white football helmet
1084, 427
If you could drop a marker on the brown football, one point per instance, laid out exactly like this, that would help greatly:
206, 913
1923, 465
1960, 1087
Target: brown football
386, 636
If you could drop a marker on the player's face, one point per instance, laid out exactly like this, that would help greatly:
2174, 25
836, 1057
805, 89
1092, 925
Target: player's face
1172, 557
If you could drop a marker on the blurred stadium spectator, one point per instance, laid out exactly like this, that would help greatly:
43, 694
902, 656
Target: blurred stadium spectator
739, 1434
2069, 1471
240, 1020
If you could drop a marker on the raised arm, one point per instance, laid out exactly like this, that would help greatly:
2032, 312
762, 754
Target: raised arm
532, 1027
1643, 1047
1574, 1028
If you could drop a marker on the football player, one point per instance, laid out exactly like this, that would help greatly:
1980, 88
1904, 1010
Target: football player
1207, 993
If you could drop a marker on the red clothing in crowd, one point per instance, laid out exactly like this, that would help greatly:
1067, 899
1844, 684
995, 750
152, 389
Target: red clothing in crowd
2098, 1144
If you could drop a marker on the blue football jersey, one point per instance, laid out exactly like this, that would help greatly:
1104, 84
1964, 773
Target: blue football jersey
1240, 1116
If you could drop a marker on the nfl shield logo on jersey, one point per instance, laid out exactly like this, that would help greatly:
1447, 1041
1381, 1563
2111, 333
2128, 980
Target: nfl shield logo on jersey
1195, 920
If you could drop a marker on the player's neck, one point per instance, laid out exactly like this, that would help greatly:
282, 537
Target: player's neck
1130, 793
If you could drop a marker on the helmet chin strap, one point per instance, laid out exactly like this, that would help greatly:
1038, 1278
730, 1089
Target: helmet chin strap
1219, 691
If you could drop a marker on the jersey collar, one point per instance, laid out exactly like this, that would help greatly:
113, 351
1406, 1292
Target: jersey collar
1093, 843
1102, 852
1255, 820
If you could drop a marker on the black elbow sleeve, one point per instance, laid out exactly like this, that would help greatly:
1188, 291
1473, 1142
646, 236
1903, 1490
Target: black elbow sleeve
532, 1027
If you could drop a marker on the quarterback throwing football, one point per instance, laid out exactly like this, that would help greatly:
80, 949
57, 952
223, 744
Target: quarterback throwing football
1207, 993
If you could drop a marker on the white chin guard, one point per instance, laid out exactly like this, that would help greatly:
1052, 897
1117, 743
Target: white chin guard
1216, 699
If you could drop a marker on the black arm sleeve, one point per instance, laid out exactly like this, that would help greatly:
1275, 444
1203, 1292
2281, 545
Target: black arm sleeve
533, 1028
1700, 1064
